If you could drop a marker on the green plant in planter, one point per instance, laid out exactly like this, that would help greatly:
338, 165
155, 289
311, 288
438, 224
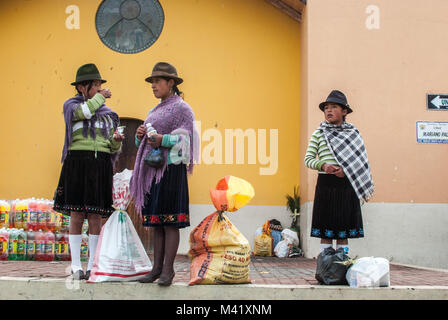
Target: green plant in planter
293, 205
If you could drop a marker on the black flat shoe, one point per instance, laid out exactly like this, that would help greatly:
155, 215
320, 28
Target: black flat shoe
166, 281
87, 275
150, 277
78, 275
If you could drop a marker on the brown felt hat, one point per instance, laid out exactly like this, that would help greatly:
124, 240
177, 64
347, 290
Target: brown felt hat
165, 70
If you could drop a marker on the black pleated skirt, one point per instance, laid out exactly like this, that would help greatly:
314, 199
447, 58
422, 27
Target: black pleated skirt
167, 203
336, 209
85, 184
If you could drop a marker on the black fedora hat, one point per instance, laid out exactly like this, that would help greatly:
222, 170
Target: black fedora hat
87, 72
337, 97
164, 70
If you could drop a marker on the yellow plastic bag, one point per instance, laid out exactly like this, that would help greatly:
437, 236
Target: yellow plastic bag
218, 250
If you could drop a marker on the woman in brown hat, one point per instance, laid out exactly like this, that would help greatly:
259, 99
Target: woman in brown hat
160, 188
91, 145
336, 150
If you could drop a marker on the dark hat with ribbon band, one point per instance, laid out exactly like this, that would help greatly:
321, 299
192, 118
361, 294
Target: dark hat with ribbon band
164, 70
337, 97
87, 72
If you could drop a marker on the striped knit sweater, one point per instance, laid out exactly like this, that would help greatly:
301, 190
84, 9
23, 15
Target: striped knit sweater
85, 111
318, 147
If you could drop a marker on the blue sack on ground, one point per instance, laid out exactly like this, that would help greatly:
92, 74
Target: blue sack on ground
277, 236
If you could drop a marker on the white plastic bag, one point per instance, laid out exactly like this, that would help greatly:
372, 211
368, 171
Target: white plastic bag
369, 272
258, 232
120, 255
282, 248
120, 189
288, 234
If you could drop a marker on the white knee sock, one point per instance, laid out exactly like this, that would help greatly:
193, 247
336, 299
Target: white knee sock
75, 251
93, 241
323, 246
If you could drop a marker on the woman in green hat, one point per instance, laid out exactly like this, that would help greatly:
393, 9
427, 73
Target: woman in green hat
91, 146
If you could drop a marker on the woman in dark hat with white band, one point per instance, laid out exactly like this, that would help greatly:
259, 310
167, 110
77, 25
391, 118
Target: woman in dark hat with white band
161, 190
337, 151
91, 145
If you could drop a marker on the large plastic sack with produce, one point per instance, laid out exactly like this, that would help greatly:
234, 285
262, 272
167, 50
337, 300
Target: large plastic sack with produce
264, 243
369, 272
120, 255
219, 252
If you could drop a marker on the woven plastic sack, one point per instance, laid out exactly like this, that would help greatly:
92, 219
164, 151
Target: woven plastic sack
264, 243
218, 250
120, 255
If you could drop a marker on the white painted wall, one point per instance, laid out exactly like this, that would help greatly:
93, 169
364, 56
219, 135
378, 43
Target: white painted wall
405, 233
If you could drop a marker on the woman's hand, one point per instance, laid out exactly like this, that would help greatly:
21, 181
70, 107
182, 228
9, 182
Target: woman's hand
118, 136
339, 173
106, 93
329, 168
155, 140
141, 131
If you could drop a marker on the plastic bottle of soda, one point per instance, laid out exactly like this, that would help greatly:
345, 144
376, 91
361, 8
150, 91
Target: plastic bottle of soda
40, 246
58, 221
61, 248
41, 214
57, 246
84, 247
51, 216
12, 214
12, 246
32, 220
85, 226
5, 209
30, 244
21, 245
18, 214
25, 214
21, 214
65, 251
65, 222
4, 240
49, 246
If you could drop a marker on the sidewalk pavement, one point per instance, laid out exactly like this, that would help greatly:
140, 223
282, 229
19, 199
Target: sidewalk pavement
263, 271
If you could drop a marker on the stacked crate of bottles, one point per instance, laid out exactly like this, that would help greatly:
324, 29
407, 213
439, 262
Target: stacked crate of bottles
31, 230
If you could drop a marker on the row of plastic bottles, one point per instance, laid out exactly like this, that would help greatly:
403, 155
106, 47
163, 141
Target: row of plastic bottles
18, 244
31, 214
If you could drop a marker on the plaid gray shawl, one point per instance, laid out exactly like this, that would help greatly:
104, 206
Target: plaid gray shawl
347, 146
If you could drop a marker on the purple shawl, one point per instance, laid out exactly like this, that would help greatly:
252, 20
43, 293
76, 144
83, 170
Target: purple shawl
100, 115
171, 116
